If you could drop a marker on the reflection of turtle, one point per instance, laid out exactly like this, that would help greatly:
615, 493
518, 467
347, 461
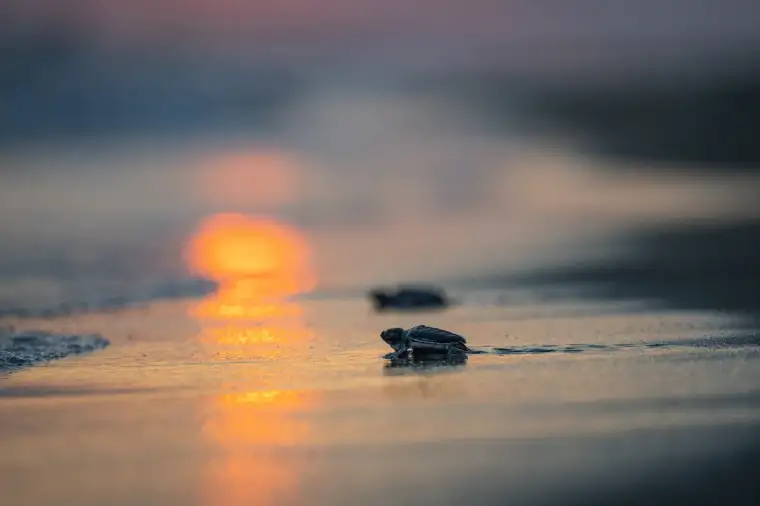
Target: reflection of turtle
427, 363
422, 342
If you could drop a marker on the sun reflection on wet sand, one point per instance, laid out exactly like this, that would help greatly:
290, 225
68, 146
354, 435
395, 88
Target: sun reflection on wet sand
245, 426
258, 264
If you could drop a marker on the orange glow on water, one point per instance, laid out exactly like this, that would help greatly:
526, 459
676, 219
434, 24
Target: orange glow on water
258, 263
234, 246
262, 418
245, 424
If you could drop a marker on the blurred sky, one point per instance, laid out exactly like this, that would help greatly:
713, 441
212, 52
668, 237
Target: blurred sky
411, 140
587, 37
342, 25
84, 67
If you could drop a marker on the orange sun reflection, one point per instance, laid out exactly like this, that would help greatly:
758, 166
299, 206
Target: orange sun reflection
244, 426
258, 263
248, 253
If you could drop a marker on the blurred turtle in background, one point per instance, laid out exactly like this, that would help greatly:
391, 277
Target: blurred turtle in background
409, 298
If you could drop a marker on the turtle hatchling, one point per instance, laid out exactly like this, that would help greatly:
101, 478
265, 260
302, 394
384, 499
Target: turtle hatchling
421, 341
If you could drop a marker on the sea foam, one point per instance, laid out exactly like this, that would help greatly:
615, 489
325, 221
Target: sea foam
24, 348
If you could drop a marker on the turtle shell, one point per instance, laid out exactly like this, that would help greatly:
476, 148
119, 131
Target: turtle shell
427, 338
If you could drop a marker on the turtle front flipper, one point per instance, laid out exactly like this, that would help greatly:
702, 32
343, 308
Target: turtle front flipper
397, 355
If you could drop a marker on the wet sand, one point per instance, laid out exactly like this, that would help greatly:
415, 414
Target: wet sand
195, 402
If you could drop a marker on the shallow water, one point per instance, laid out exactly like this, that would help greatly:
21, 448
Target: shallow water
294, 405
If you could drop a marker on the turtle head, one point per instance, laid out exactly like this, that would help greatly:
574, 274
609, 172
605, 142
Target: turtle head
394, 337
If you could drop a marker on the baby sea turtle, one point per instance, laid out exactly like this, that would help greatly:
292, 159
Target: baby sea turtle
423, 341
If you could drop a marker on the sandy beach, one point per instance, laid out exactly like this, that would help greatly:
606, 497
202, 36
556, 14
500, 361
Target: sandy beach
299, 408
